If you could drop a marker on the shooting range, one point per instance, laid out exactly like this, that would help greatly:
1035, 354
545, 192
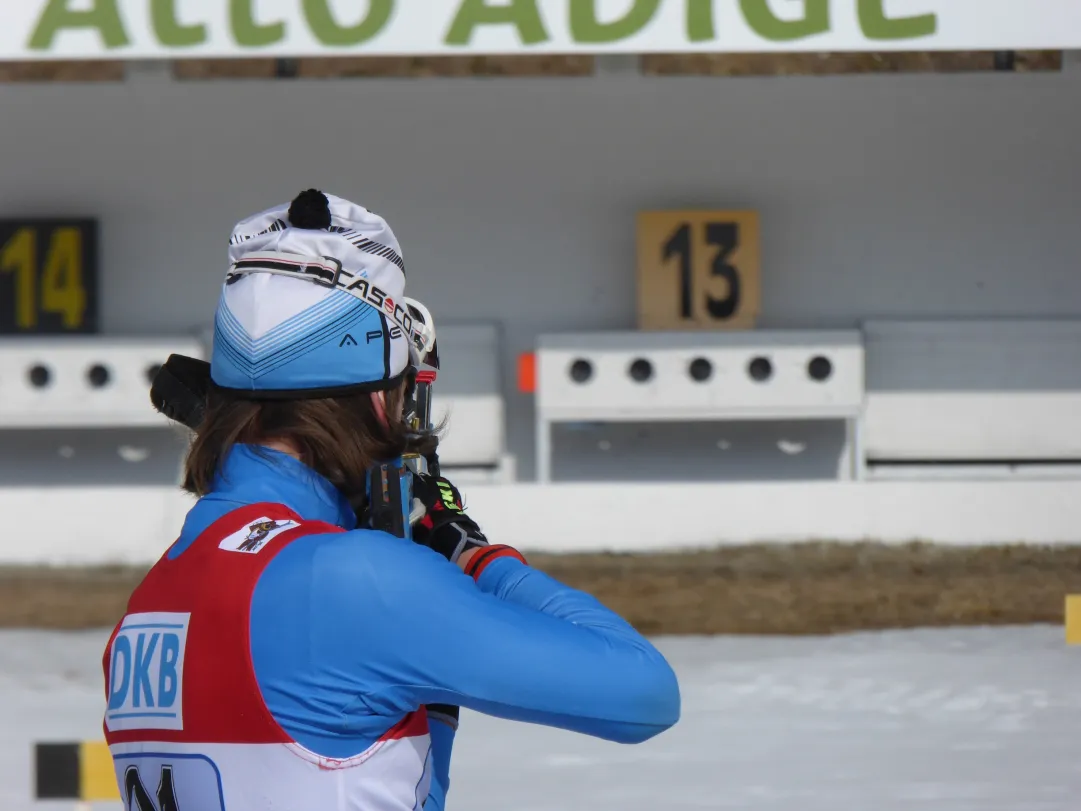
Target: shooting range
754, 296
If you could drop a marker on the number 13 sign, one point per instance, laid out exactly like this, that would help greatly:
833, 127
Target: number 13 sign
698, 269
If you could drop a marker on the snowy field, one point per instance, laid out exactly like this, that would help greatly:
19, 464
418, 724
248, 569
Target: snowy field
974, 719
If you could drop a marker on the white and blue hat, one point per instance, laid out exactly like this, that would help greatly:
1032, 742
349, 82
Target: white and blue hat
314, 304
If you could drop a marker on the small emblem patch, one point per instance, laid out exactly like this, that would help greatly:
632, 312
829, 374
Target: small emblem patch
255, 535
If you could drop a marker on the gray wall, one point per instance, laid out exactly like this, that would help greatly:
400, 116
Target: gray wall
903, 196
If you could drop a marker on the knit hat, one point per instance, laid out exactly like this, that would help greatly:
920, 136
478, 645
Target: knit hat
314, 304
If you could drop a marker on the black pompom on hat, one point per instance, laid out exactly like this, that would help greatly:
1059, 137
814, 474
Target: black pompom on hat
310, 209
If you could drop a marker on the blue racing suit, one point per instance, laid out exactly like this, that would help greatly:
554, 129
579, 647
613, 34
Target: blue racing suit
351, 630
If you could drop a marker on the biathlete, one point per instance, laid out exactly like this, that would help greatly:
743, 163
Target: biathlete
283, 655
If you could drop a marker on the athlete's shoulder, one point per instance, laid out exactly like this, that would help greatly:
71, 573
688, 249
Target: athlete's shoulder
357, 573
351, 556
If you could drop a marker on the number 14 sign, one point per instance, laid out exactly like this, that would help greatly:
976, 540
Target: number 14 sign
698, 269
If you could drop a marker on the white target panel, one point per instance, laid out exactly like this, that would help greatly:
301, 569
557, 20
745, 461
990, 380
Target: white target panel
706, 376
721, 375
81, 382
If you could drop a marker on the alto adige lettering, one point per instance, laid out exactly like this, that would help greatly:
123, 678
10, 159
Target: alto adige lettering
146, 672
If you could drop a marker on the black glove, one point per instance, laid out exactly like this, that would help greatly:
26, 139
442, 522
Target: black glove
444, 527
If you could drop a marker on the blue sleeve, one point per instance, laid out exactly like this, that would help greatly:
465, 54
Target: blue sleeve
412, 629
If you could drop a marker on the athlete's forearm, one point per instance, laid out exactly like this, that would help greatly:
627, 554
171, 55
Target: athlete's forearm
644, 674
520, 584
533, 649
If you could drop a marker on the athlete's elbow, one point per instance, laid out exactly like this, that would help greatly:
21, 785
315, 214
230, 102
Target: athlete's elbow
637, 733
664, 709
654, 706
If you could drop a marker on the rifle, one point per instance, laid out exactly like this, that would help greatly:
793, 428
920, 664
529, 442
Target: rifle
390, 504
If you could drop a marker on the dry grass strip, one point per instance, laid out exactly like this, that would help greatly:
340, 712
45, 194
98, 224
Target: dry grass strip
814, 588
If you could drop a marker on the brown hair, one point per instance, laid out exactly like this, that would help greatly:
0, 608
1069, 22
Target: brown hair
338, 437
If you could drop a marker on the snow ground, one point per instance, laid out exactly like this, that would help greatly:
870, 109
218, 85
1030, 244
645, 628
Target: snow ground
951, 720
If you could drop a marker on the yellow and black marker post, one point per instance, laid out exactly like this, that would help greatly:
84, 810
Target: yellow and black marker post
80, 771
1073, 619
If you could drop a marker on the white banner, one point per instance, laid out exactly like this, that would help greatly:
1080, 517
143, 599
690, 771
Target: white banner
177, 29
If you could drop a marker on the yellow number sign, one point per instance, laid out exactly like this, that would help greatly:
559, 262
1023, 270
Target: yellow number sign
698, 269
48, 276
